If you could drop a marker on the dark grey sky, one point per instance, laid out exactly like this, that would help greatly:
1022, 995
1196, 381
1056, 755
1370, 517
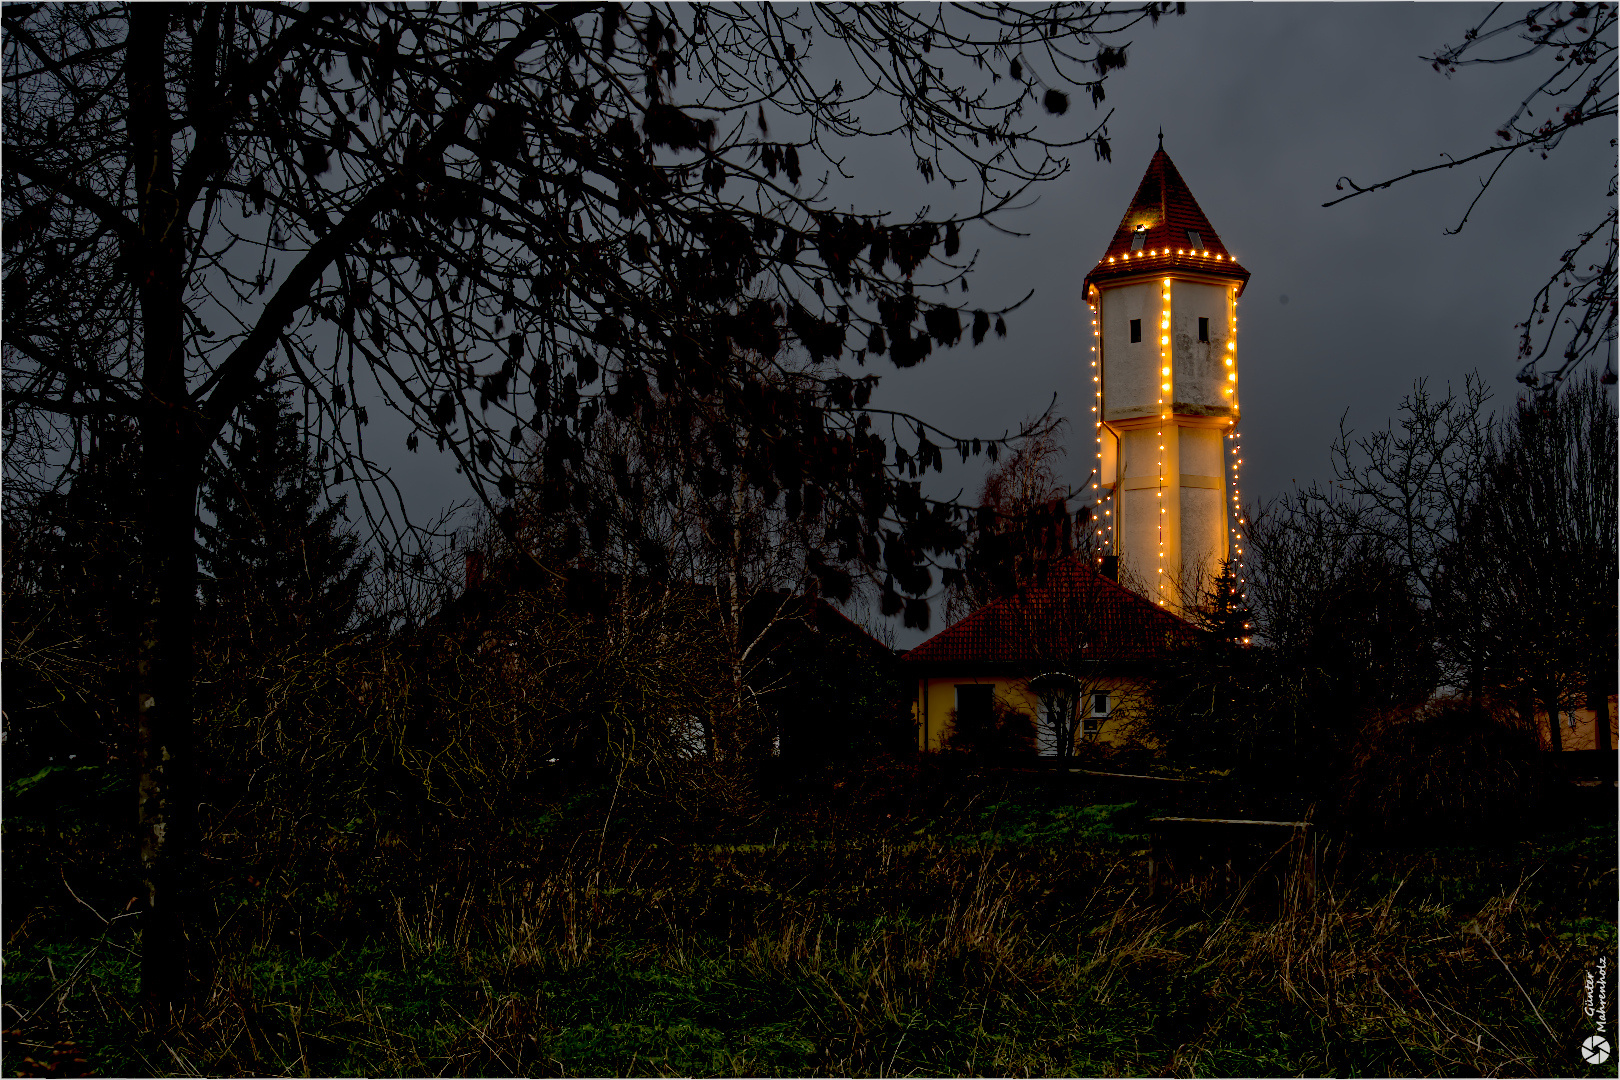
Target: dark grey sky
1263, 107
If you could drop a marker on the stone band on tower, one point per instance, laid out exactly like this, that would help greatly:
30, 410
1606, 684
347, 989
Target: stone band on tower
1163, 302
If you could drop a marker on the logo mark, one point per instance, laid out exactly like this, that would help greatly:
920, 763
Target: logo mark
1595, 1050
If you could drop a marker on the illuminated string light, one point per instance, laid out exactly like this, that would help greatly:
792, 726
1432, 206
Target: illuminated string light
1162, 582
1096, 409
1235, 439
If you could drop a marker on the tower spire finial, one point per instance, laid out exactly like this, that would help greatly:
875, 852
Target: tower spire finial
1161, 136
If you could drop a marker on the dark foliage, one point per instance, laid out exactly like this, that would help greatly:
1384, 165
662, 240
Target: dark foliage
1344, 640
76, 597
1448, 770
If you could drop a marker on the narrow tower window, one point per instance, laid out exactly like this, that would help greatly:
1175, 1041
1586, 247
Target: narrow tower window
1203, 329
1136, 330
1196, 241
1139, 238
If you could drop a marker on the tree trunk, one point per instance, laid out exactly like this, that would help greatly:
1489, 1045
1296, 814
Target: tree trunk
1527, 706
1549, 702
170, 464
1598, 702
168, 828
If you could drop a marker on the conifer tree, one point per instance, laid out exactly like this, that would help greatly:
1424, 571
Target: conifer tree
279, 562
75, 590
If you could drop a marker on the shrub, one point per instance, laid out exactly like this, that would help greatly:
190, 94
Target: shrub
1449, 767
1003, 736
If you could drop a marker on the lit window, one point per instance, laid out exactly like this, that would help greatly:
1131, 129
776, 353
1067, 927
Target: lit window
1203, 329
1195, 240
1139, 238
1136, 330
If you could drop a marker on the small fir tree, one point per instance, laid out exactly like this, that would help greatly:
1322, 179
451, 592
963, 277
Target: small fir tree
280, 563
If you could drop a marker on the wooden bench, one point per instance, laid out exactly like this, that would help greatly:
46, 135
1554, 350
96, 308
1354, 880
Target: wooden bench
1233, 853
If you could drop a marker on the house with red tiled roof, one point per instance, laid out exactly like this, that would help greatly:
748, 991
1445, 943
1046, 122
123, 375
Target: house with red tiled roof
1074, 631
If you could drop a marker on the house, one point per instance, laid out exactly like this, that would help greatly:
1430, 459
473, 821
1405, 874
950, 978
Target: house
1074, 640
1581, 728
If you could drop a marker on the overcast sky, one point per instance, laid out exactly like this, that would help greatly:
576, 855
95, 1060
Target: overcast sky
1263, 107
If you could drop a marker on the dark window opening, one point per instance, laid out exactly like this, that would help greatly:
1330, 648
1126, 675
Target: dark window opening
1099, 705
975, 709
1139, 238
1136, 329
1203, 329
1195, 240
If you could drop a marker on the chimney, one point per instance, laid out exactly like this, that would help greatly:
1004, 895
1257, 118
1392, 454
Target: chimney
1108, 567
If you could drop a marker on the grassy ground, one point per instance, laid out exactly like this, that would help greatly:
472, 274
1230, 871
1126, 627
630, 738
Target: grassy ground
1000, 932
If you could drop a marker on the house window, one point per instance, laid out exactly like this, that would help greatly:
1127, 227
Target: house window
1139, 238
975, 707
1195, 240
1136, 330
1203, 329
1100, 704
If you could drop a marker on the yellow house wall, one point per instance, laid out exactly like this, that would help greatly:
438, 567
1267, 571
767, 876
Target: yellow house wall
935, 705
1584, 737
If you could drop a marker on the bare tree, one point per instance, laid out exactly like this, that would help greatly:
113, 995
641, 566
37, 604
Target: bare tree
1575, 88
1531, 577
1024, 522
1500, 535
1409, 484
500, 221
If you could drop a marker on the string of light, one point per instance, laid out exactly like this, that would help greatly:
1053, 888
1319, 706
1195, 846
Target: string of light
1096, 410
1163, 413
1127, 256
1235, 452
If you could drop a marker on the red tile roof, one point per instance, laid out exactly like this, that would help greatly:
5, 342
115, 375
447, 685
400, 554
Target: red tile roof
1075, 613
1166, 206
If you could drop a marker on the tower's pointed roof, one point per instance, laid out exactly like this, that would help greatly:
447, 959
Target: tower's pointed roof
1171, 216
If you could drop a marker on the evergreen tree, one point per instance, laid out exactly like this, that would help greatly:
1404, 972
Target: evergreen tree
76, 597
279, 562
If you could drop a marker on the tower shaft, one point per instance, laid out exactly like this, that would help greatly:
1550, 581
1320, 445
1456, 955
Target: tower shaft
1163, 306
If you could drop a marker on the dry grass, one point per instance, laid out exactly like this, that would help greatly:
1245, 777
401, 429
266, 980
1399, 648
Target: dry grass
871, 958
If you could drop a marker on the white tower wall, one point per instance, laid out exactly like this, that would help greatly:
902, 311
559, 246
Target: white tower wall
1200, 367
1203, 508
1163, 439
1128, 367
